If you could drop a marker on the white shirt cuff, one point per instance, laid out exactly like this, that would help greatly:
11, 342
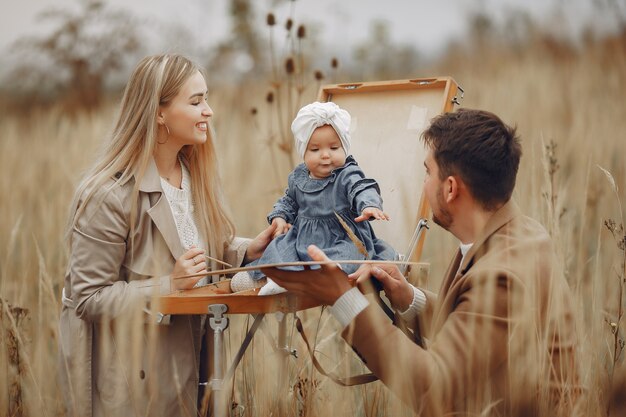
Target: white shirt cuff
348, 306
416, 306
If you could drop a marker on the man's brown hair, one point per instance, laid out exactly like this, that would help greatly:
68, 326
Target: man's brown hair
479, 148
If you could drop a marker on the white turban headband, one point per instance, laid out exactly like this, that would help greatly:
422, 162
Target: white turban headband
317, 114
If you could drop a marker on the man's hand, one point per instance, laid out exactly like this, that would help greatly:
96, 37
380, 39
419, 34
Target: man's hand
362, 274
396, 287
369, 212
324, 285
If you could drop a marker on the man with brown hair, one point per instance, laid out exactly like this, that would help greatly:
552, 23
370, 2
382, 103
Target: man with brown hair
501, 335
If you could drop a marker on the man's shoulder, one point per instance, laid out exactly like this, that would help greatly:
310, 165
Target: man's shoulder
520, 245
525, 230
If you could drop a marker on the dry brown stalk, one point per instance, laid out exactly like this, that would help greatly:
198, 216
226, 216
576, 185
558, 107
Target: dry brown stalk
15, 318
357, 242
615, 323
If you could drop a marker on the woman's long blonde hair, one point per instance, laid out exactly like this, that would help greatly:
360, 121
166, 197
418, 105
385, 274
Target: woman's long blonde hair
156, 81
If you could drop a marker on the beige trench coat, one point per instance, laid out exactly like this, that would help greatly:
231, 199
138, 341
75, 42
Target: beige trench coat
502, 334
116, 359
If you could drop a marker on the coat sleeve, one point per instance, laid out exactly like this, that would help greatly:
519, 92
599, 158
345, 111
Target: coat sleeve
362, 192
97, 251
469, 347
235, 250
286, 206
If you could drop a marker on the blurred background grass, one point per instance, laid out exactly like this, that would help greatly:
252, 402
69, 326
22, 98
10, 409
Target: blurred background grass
566, 95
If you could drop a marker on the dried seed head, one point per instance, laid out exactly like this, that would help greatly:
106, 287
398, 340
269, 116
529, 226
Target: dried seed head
270, 97
253, 111
271, 20
319, 76
285, 147
301, 32
334, 63
290, 65
289, 24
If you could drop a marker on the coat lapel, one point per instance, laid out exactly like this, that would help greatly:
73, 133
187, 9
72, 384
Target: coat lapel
501, 217
439, 315
160, 212
452, 272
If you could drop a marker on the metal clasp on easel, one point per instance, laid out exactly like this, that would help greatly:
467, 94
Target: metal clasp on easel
457, 99
421, 225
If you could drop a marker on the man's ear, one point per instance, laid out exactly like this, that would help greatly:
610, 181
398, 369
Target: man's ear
450, 188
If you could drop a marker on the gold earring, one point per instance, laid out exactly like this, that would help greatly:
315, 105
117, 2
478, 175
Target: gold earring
168, 135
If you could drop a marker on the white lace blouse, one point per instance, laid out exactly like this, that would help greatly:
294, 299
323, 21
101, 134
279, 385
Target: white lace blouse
181, 203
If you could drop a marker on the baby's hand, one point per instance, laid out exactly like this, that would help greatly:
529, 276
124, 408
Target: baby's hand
369, 212
281, 225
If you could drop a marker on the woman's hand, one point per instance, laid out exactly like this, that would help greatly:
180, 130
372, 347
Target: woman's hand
281, 225
258, 245
369, 212
190, 262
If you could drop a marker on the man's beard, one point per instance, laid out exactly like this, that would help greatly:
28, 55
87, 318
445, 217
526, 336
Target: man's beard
443, 218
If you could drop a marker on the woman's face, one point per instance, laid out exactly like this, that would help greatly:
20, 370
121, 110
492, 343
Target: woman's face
187, 115
324, 152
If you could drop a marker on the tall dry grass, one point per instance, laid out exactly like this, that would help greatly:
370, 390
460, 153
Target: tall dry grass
569, 109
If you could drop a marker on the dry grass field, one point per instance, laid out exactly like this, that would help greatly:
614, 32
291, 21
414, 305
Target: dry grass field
570, 110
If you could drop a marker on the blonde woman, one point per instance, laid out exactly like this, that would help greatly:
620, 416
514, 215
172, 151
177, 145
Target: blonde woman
150, 209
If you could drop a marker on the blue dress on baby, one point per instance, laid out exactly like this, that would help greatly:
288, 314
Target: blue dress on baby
309, 205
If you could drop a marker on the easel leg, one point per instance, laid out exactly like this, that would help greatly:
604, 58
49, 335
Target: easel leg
282, 332
218, 324
282, 348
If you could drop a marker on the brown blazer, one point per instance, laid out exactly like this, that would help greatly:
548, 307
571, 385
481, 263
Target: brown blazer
501, 331
116, 358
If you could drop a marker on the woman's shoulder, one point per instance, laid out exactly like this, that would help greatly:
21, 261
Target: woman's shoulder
102, 211
110, 194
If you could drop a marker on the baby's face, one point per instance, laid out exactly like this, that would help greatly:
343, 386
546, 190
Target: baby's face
324, 152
